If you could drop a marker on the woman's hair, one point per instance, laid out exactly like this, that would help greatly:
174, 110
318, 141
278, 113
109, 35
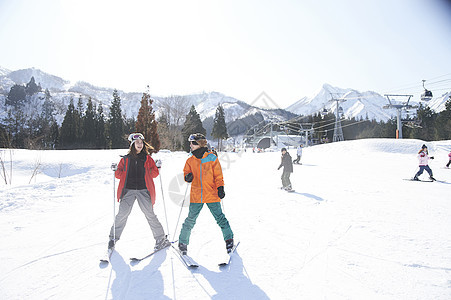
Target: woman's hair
423, 149
148, 149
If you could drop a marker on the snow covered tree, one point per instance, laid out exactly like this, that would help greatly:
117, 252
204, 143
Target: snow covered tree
146, 123
219, 126
193, 124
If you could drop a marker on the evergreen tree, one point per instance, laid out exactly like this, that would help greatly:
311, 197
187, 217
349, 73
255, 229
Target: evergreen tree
443, 124
89, 126
16, 96
46, 121
54, 136
78, 117
32, 88
193, 124
146, 123
14, 124
219, 126
69, 130
164, 132
5, 141
116, 123
101, 141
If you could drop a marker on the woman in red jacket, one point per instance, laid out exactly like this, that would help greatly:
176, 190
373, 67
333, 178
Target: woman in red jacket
136, 171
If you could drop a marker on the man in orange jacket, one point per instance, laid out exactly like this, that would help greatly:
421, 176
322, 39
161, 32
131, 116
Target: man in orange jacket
204, 172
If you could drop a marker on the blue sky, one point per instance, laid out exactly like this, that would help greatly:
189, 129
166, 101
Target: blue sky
286, 49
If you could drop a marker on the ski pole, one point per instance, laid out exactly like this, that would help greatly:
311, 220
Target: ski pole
183, 203
114, 167
164, 203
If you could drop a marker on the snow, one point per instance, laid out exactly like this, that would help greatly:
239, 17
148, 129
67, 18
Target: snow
354, 229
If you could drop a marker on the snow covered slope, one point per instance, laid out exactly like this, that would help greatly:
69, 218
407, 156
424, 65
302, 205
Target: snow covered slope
354, 229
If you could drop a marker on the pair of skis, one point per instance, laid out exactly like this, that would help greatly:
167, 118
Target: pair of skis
107, 259
191, 264
421, 180
187, 260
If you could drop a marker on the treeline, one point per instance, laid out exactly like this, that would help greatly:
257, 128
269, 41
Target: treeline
31, 122
427, 126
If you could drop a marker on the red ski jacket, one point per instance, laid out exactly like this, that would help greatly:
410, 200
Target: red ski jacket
151, 171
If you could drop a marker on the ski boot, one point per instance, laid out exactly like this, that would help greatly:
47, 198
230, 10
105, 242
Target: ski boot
416, 178
229, 245
183, 248
162, 243
111, 244
431, 178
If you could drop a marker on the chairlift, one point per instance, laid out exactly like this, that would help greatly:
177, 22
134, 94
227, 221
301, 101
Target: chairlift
324, 112
427, 95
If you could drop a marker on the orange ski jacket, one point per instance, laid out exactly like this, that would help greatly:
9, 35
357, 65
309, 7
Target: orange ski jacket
207, 177
151, 171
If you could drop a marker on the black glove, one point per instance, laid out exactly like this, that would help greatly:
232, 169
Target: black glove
189, 177
221, 193
114, 166
432, 157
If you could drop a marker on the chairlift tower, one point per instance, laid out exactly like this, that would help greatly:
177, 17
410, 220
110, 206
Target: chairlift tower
399, 107
338, 131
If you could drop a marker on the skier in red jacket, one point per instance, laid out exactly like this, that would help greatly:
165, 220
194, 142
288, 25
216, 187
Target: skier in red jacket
136, 171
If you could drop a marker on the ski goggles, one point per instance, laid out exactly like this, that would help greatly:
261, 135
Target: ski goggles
196, 137
135, 136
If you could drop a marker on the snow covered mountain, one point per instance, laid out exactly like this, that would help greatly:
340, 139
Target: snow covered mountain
238, 113
62, 91
358, 104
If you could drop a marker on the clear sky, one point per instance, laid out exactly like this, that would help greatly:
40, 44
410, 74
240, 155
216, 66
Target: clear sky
240, 48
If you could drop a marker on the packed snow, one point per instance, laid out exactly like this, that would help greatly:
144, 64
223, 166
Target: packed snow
353, 228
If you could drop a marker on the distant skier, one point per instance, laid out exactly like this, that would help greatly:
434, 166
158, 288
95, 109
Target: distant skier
299, 155
449, 162
423, 158
213, 150
204, 172
136, 171
287, 165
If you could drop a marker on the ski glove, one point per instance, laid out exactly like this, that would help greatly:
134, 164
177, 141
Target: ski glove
114, 166
221, 193
189, 177
431, 157
158, 163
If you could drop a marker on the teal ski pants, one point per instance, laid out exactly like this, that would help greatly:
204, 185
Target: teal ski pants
190, 221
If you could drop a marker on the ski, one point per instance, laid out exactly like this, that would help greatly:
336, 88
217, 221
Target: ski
411, 179
227, 261
288, 191
107, 258
187, 261
136, 260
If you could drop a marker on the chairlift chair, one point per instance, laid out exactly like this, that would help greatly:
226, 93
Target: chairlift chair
427, 95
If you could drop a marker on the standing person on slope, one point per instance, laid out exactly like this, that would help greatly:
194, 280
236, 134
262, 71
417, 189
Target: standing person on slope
299, 155
449, 162
423, 158
136, 171
287, 165
204, 172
